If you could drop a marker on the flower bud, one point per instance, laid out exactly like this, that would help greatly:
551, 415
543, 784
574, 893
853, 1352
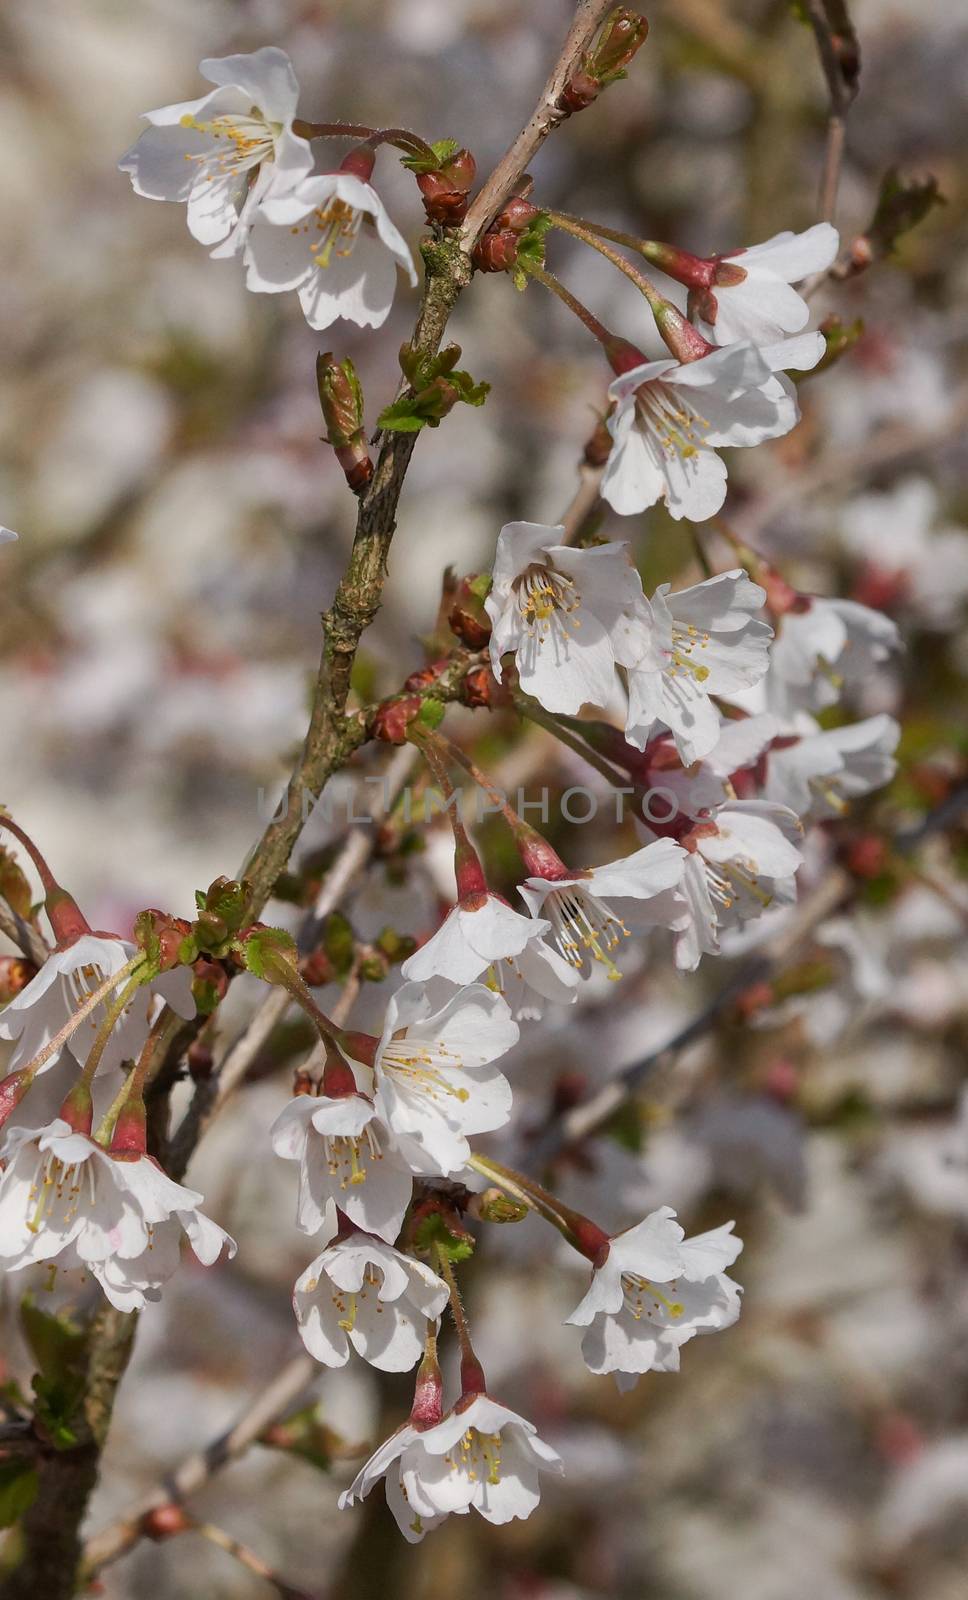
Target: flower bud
480, 689
393, 717
468, 619
445, 192
622, 35
598, 447
163, 1522
341, 402
316, 969
496, 250
516, 216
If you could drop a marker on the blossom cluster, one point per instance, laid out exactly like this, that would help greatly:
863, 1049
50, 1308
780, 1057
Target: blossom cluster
716, 693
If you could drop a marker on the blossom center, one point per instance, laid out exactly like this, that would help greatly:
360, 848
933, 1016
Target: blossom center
336, 227
728, 881
547, 600
55, 1193
584, 926
244, 141
423, 1068
348, 1155
477, 1456
669, 418
644, 1299
685, 640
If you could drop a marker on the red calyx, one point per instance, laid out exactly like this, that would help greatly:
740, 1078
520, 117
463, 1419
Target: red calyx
12, 1090
78, 1109
479, 688
623, 356
130, 1138
359, 162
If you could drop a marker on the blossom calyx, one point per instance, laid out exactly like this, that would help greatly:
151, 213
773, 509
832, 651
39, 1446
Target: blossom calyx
341, 402
12, 1090
622, 35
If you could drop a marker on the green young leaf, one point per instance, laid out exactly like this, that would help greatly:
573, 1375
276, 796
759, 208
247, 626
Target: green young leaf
432, 1232
402, 417
18, 1489
265, 949
442, 150
531, 247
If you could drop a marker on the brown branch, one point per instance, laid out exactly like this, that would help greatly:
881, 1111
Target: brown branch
544, 119
840, 60
22, 934
196, 1468
48, 1563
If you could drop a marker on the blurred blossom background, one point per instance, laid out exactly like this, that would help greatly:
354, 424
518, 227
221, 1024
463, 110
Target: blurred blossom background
181, 529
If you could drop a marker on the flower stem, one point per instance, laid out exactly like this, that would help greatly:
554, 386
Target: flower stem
580, 231
471, 1372
401, 137
582, 1234
65, 915
134, 1085
597, 329
77, 1017
467, 863
111, 1014
535, 713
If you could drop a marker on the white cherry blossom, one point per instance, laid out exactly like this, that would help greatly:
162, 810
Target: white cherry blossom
739, 861
7, 535
332, 241
592, 911
536, 975
64, 1196
435, 1082
37, 1014
481, 1456
568, 615
763, 306
482, 929
895, 535
818, 774
823, 647
699, 641
225, 153
361, 1293
671, 417
654, 1291
347, 1158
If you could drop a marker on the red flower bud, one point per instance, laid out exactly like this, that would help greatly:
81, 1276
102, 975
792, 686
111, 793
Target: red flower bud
496, 250
391, 720
316, 969
163, 1522
468, 618
480, 689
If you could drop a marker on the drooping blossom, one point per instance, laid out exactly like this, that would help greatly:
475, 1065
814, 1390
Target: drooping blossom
671, 417
347, 1158
818, 774
752, 296
227, 152
435, 1082
701, 641
480, 931
362, 1294
823, 647
65, 1197
906, 559
480, 1457
38, 1013
740, 859
568, 615
653, 1292
332, 241
591, 911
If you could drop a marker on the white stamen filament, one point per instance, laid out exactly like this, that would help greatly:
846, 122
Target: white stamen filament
670, 419
547, 601
583, 926
249, 140
348, 1156
423, 1067
643, 1299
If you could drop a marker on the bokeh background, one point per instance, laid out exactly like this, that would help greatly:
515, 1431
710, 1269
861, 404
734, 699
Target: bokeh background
182, 528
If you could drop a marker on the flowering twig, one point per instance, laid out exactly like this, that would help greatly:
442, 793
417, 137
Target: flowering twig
840, 60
